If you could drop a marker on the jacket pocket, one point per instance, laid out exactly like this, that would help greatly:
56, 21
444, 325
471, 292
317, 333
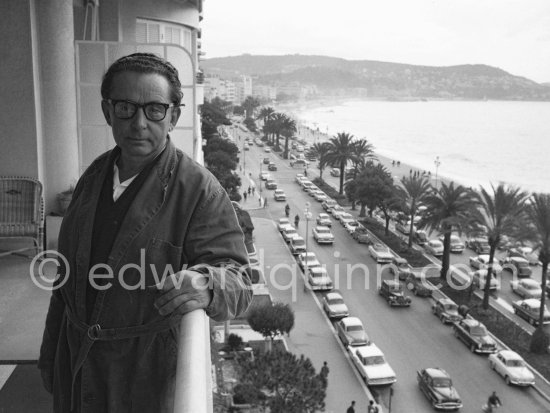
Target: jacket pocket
163, 259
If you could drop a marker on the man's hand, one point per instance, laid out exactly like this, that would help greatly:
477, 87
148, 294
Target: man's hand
183, 292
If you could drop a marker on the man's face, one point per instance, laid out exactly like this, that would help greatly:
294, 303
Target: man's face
139, 138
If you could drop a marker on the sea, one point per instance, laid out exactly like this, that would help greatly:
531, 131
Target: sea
473, 143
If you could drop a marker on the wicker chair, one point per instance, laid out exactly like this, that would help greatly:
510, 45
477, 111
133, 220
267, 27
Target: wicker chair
21, 211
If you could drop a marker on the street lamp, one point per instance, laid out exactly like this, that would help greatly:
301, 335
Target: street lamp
437, 162
260, 177
307, 215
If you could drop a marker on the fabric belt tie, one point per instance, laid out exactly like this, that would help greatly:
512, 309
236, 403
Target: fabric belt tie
94, 333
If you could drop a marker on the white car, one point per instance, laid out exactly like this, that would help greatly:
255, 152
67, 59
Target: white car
350, 225
527, 288
328, 204
434, 247
299, 178
288, 232
336, 210
344, 216
480, 276
297, 245
283, 222
380, 253
320, 196
372, 365
481, 262
279, 195
512, 368
334, 305
264, 176
323, 235
351, 332
318, 278
311, 260
267, 149
323, 220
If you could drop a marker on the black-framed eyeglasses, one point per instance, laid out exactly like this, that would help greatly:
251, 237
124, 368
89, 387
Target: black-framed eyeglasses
154, 111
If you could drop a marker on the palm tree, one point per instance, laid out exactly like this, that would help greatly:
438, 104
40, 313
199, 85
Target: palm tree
320, 151
364, 152
447, 208
265, 114
341, 151
249, 104
538, 213
288, 126
413, 191
501, 212
278, 123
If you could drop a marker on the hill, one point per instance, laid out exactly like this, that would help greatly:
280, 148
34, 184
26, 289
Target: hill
367, 78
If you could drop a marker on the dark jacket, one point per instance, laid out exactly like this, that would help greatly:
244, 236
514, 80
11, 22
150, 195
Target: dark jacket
180, 217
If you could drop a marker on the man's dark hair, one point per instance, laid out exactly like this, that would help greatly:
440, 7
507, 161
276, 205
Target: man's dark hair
143, 63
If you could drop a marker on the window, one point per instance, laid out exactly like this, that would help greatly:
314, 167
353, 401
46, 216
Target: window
151, 31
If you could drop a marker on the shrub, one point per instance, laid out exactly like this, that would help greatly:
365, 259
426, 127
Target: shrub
234, 342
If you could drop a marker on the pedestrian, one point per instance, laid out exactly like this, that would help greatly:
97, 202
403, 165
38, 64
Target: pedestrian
351, 408
244, 195
249, 190
392, 163
253, 190
287, 210
398, 163
324, 374
372, 408
260, 201
265, 202
297, 220
108, 347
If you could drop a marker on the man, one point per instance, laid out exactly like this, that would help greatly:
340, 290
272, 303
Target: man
149, 236
351, 409
493, 402
372, 408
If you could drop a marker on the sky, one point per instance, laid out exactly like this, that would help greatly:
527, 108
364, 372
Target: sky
513, 35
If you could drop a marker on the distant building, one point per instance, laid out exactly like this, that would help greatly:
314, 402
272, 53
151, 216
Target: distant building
264, 92
224, 89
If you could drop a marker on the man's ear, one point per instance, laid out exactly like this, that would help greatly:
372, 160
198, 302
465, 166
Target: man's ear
176, 113
106, 112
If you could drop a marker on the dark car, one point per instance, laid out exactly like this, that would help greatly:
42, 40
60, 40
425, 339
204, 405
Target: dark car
420, 237
419, 286
529, 310
361, 235
271, 184
447, 310
266, 161
272, 166
518, 264
392, 291
474, 334
437, 386
479, 245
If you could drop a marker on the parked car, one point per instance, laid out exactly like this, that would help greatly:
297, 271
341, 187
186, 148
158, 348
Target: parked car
351, 332
299, 162
479, 278
323, 220
527, 288
328, 204
404, 227
334, 305
518, 264
319, 196
480, 245
447, 311
361, 235
266, 161
272, 166
474, 334
457, 246
434, 247
271, 184
393, 293
400, 267
336, 210
318, 278
335, 172
420, 237
298, 178
525, 252
311, 260
481, 262
380, 253
529, 310
351, 225
418, 285
283, 222
372, 365
264, 175
323, 235
279, 195
512, 368
437, 386
267, 149
289, 232
343, 216
297, 245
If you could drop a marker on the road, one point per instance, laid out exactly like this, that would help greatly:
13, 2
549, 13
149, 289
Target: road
410, 338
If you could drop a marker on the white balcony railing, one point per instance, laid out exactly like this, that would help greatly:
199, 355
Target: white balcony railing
193, 375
